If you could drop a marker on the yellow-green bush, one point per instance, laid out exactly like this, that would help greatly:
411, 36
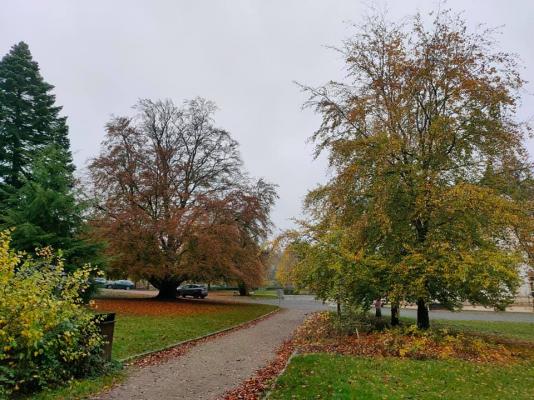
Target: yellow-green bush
47, 335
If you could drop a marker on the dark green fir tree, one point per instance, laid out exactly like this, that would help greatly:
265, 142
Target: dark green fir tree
29, 118
45, 211
38, 198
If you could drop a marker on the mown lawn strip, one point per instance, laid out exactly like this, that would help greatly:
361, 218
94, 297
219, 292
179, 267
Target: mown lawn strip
136, 334
327, 376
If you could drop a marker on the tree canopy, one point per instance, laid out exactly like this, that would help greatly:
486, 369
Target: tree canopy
429, 172
173, 201
46, 211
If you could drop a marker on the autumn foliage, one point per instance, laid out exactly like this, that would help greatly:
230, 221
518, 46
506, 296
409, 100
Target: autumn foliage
173, 201
47, 335
430, 198
139, 306
319, 334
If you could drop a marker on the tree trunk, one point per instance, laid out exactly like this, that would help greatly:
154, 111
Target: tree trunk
167, 288
338, 306
243, 289
423, 320
395, 313
378, 307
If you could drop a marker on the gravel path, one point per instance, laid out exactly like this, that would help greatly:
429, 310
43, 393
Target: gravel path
210, 369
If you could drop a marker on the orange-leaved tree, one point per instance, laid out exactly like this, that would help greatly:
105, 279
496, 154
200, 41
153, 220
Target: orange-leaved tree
172, 199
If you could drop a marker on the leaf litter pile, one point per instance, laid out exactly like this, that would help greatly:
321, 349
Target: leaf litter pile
318, 334
162, 308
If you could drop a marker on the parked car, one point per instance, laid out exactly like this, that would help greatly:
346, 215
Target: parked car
196, 291
120, 284
100, 282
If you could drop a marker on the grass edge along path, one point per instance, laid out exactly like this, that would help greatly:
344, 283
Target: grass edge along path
266, 311
332, 376
312, 376
83, 388
157, 356
139, 334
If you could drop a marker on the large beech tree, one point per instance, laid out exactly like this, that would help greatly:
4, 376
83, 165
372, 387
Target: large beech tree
172, 199
427, 162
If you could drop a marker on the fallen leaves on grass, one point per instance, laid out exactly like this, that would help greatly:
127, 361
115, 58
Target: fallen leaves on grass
316, 335
158, 307
254, 387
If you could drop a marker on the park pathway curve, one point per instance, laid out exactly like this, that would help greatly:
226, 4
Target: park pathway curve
210, 369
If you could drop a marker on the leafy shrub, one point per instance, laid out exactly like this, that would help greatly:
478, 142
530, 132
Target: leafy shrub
411, 342
327, 325
316, 327
47, 335
356, 319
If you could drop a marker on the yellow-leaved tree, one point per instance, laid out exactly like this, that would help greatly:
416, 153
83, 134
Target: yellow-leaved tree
431, 191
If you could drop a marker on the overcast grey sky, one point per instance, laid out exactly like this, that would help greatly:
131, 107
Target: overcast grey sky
104, 55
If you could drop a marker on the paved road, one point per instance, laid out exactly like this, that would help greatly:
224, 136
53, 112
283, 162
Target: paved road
301, 302
310, 304
470, 315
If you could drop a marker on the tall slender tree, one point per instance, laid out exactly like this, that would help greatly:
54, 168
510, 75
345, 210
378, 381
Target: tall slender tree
29, 118
37, 185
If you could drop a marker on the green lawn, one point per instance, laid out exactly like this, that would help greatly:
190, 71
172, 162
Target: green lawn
80, 389
271, 294
516, 330
136, 334
513, 330
323, 376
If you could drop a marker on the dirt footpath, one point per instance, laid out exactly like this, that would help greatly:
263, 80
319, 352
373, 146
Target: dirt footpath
210, 369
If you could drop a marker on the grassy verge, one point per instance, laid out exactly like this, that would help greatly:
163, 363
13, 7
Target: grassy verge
263, 293
80, 389
513, 330
259, 294
136, 334
324, 376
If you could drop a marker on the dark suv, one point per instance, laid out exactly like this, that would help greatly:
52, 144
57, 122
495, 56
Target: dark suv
197, 291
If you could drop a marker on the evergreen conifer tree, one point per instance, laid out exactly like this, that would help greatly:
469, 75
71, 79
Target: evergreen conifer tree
29, 118
37, 185
44, 211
